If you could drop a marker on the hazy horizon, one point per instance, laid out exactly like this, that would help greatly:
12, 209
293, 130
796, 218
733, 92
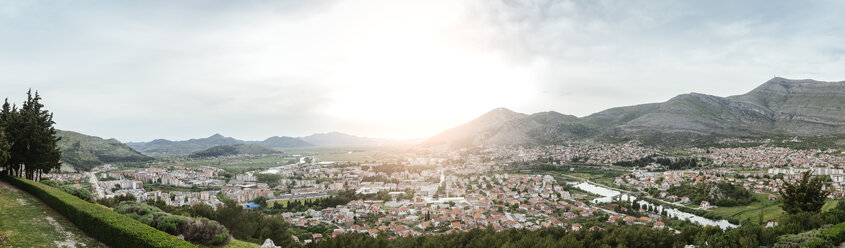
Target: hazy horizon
138, 71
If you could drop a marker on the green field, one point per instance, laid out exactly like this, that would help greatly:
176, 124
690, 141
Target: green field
830, 204
236, 244
25, 221
353, 154
270, 204
227, 163
770, 210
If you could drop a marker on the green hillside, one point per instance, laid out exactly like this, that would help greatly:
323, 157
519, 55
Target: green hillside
231, 150
84, 152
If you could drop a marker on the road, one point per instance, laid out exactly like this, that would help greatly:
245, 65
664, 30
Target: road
96, 184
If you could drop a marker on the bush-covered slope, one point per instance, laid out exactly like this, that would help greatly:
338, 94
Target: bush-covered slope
230, 150
84, 152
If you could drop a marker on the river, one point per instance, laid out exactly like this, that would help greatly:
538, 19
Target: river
608, 194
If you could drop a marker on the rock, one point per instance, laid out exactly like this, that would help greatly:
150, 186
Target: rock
779, 107
269, 244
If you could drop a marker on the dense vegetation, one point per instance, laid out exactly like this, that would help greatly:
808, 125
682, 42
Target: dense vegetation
806, 195
247, 225
231, 150
790, 233
803, 143
721, 194
85, 152
195, 230
668, 163
28, 142
99, 222
341, 198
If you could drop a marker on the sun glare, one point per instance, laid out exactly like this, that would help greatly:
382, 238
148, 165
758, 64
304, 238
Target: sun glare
412, 69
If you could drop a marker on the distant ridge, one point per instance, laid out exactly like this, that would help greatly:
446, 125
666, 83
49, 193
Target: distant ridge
778, 107
283, 142
342, 139
167, 147
163, 147
230, 150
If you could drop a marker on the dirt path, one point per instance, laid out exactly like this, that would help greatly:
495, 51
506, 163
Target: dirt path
70, 241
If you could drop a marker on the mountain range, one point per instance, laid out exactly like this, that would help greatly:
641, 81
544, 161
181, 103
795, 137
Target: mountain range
166, 147
779, 107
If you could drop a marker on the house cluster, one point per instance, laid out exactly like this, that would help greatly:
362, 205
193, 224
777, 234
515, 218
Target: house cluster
497, 201
769, 157
181, 177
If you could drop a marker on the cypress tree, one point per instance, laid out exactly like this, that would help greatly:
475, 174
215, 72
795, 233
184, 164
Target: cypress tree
37, 141
12, 127
4, 148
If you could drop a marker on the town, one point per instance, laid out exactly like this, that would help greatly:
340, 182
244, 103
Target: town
497, 187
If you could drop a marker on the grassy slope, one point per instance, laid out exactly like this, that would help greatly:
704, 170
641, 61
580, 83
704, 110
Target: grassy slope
770, 210
236, 244
285, 202
27, 225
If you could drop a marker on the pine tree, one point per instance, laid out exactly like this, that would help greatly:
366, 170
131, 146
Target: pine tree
806, 195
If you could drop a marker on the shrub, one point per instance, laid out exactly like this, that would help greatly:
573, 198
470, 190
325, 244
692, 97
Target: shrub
195, 230
111, 228
170, 223
816, 243
836, 233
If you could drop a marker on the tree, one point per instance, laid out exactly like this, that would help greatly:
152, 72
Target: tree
10, 125
4, 147
41, 153
806, 195
31, 138
260, 201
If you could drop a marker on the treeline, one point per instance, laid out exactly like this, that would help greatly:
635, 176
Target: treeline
669, 163
587, 169
722, 194
342, 197
28, 142
787, 234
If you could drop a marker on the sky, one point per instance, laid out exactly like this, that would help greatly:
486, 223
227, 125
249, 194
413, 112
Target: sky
142, 70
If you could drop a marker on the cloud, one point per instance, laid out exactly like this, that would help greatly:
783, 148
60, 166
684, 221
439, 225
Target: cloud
252, 69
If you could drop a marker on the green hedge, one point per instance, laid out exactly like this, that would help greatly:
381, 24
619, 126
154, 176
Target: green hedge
99, 222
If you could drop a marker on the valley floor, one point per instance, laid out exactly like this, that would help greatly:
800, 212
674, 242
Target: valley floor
25, 221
